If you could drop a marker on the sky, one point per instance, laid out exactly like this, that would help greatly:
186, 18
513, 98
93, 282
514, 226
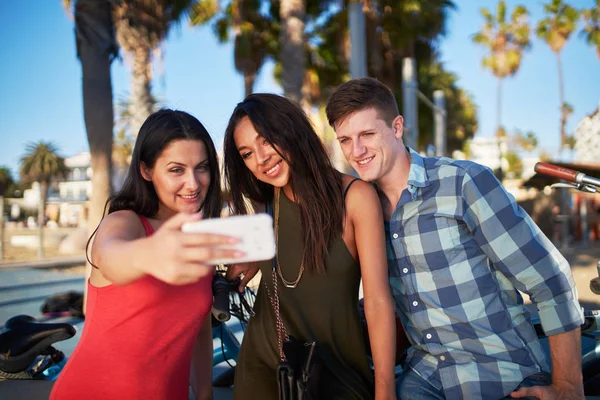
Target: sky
40, 78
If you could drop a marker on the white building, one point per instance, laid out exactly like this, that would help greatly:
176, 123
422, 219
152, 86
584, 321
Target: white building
587, 139
485, 151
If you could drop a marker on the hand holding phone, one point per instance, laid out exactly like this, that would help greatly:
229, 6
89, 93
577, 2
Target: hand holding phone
255, 234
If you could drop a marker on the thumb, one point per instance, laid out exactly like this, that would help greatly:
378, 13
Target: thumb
247, 278
175, 222
533, 391
248, 275
233, 271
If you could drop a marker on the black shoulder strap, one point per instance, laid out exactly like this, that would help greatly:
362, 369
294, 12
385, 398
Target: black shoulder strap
348, 187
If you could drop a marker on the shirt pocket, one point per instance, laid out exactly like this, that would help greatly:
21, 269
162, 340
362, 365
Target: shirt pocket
434, 241
433, 233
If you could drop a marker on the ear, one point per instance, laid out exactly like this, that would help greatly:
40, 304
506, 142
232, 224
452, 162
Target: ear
145, 171
398, 126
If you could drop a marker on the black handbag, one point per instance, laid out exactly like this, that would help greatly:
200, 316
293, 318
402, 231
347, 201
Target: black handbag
299, 366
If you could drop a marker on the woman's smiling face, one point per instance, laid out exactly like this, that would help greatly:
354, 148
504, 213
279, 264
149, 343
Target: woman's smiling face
260, 156
180, 176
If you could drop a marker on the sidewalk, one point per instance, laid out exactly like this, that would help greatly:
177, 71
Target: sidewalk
23, 288
54, 262
583, 260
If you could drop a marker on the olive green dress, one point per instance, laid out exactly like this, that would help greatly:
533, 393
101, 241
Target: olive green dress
323, 308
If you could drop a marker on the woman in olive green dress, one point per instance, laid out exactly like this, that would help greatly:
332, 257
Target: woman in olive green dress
329, 232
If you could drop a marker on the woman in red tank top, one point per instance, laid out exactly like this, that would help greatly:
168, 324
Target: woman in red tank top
149, 294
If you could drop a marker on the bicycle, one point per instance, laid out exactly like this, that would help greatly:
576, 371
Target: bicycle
590, 329
27, 352
228, 301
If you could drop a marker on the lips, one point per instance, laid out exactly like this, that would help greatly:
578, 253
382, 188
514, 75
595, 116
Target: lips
190, 198
365, 161
274, 169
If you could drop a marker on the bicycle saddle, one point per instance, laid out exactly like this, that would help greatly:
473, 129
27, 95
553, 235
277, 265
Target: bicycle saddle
23, 339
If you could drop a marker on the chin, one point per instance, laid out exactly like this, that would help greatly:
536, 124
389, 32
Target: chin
363, 173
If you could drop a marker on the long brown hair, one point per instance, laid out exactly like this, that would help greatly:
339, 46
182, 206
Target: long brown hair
316, 184
158, 131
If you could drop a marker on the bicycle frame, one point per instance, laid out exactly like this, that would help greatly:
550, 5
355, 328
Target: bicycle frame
227, 302
590, 361
230, 345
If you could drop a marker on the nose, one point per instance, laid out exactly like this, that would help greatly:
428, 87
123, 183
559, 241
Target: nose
262, 154
192, 182
358, 149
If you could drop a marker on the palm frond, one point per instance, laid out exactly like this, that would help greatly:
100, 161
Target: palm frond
41, 162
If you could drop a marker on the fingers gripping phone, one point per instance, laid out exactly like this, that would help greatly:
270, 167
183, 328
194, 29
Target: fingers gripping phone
255, 234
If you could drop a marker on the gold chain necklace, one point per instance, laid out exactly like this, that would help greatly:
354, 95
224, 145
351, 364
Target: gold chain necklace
286, 283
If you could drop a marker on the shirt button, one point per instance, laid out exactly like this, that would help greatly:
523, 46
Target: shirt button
415, 303
405, 270
428, 336
395, 236
443, 358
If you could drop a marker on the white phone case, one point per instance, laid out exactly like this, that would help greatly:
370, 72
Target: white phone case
255, 233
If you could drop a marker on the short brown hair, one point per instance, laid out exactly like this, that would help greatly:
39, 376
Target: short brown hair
359, 94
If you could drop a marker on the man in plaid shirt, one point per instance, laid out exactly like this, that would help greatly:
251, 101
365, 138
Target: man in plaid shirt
459, 247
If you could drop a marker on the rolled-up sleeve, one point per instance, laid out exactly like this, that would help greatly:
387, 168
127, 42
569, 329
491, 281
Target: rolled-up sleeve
516, 247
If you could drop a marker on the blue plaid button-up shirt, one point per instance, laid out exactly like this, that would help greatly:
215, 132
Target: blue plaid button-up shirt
458, 248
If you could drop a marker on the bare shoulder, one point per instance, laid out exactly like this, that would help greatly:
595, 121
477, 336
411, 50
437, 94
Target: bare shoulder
124, 224
358, 190
361, 198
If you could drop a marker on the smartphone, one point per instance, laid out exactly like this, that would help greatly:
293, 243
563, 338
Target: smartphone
255, 232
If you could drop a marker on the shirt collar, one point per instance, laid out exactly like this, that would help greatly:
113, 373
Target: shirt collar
417, 175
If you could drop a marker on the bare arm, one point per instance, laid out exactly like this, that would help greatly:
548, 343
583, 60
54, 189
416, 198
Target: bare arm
364, 211
201, 371
567, 380
123, 253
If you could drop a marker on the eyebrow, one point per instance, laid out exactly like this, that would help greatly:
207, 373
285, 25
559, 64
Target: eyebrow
244, 147
205, 161
359, 133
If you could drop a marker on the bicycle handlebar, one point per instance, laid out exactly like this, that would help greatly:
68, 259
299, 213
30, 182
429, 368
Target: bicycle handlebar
566, 174
220, 308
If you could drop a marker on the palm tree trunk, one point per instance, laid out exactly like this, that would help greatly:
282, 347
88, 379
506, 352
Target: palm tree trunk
1, 227
374, 50
98, 115
249, 84
561, 96
42, 217
141, 100
292, 54
96, 46
499, 105
499, 126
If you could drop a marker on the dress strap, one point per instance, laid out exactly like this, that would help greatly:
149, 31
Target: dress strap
147, 226
348, 187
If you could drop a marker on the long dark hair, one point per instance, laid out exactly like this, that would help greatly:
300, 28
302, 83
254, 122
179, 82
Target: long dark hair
158, 131
317, 186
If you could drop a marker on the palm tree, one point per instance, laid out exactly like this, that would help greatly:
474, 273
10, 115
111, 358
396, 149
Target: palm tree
292, 54
6, 181
41, 164
506, 41
555, 29
253, 33
142, 25
395, 29
124, 138
96, 49
591, 30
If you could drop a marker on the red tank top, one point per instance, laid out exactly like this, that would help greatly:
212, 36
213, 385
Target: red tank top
137, 341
